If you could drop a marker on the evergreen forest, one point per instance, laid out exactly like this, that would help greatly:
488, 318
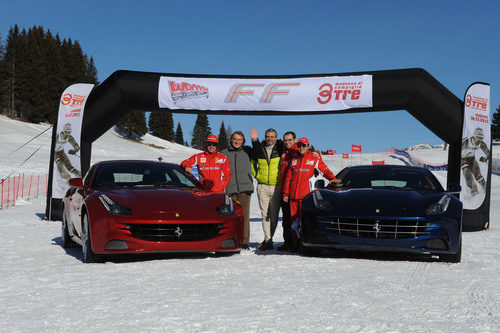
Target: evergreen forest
35, 68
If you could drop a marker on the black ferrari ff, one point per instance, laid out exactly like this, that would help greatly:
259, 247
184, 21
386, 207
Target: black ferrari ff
388, 208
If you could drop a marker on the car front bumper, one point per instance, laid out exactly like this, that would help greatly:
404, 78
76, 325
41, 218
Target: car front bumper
114, 235
439, 235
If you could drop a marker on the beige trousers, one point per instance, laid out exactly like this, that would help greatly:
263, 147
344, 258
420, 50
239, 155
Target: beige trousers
244, 200
269, 203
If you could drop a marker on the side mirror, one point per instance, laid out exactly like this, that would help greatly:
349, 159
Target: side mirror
319, 184
76, 182
454, 189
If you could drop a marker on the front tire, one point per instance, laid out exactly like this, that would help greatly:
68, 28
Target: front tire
67, 242
88, 254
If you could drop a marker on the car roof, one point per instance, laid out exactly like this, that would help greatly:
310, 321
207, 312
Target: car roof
135, 162
385, 166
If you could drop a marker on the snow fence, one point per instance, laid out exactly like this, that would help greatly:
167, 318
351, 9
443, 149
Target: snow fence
418, 162
23, 187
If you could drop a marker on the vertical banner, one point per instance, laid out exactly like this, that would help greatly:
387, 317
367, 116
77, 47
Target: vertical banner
476, 154
66, 163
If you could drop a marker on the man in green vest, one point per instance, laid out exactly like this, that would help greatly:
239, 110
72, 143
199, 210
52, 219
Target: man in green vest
266, 169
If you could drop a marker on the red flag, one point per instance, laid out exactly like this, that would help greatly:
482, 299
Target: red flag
356, 149
331, 152
345, 155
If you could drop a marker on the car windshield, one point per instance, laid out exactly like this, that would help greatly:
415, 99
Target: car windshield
393, 178
143, 175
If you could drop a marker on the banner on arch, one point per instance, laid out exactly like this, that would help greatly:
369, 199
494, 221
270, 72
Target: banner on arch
326, 93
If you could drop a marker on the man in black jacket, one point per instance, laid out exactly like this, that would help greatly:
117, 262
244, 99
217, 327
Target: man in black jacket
240, 186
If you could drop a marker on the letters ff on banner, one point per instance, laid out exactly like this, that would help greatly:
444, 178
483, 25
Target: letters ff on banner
291, 94
476, 145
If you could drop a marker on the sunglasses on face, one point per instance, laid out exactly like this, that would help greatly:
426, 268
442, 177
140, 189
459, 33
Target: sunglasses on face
301, 145
211, 145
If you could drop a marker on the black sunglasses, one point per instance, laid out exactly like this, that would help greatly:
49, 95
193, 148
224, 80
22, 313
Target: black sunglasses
300, 144
211, 144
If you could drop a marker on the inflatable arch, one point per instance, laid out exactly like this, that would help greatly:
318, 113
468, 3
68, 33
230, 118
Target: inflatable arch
413, 90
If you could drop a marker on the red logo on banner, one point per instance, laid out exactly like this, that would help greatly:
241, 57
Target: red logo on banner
66, 99
73, 99
378, 162
331, 152
476, 103
356, 149
345, 155
341, 91
182, 91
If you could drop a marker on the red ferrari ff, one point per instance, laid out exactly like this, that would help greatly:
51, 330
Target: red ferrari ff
145, 206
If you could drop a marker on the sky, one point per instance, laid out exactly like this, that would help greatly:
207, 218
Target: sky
455, 41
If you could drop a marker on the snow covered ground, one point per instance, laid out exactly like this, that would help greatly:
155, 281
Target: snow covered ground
44, 287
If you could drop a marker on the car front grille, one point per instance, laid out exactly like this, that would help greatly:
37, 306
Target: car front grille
380, 228
166, 232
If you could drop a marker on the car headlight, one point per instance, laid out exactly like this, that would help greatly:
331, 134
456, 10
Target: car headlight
227, 208
320, 203
439, 207
112, 207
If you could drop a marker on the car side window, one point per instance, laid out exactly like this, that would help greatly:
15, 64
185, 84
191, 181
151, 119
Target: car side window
180, 177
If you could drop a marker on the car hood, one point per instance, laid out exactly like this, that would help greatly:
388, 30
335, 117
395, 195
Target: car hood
161, 203
388, 202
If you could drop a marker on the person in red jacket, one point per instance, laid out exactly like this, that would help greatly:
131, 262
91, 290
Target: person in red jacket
213, 167
300, 170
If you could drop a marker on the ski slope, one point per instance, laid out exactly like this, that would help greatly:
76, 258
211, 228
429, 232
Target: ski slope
44, 287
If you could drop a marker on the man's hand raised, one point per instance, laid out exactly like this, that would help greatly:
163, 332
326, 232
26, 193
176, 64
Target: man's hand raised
253, 134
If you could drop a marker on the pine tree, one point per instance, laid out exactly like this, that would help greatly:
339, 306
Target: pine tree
133, 125
179, 137
229, 132
200, 132
92, 76
35, 68
10, 67
161, 124
495, 125
223, 137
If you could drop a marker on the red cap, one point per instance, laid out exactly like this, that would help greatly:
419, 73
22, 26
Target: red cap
304, 140
212, 138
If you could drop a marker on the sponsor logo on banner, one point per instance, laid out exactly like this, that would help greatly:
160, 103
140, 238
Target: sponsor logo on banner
73, 100
341, 91
476, 149
181, 91
345, 155
476, 103
303, 94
